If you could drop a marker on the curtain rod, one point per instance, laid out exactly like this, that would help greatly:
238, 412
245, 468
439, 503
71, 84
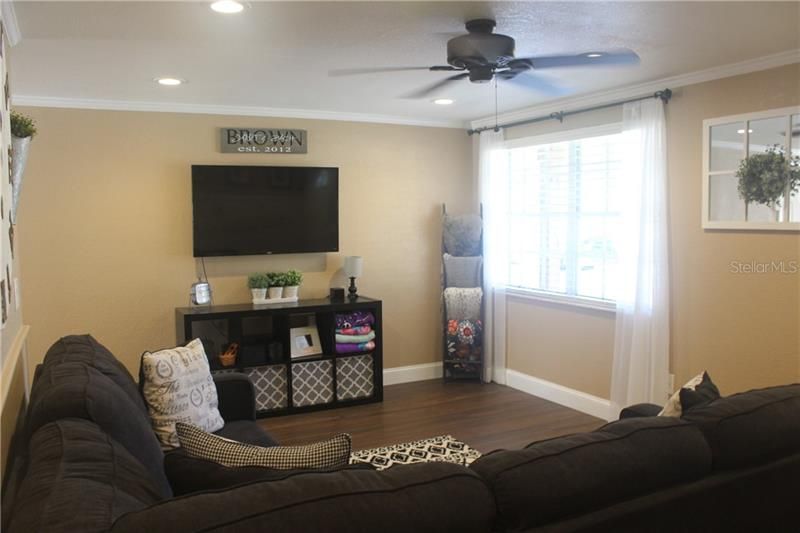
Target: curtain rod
664, 95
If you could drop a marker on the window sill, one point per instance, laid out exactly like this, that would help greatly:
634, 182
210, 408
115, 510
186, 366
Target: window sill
562, 299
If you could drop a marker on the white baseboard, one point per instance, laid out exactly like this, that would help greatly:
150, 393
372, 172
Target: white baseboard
407, 374
574, 399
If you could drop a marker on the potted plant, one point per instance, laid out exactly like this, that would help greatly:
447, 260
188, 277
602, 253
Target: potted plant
768, 177
293, 281
258, 284
22, 131
276, 284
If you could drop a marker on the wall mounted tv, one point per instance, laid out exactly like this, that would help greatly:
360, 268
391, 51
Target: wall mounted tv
249, 210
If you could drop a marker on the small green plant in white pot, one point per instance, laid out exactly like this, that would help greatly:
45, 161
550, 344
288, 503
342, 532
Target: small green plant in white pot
258, 284
293, 281
276, 283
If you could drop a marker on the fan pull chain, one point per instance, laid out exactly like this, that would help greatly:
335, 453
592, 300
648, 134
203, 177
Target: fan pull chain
496, 127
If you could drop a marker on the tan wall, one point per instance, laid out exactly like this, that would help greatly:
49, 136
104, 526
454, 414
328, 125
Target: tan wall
744, 329
106, 224
571, 346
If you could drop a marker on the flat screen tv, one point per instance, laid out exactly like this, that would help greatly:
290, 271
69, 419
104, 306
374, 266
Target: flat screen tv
249, 210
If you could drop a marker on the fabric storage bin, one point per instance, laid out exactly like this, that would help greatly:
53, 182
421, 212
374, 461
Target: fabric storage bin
354, 377
271, 387
312, 383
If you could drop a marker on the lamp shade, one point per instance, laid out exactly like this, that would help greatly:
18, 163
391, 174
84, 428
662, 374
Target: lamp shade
353, 265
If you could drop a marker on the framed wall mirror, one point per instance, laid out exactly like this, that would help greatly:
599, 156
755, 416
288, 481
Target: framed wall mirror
727, 142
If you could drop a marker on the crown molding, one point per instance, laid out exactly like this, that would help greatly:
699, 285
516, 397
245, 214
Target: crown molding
563, 104
209, 109
577, 102
13, 33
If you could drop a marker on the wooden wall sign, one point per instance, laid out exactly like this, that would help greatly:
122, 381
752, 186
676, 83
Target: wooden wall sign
262, 141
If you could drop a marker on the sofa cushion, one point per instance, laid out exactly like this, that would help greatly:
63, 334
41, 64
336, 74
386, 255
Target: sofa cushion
757, 499
74, 390
79, 479
751, 427
554, 479
189, 474
85, 349
428, 497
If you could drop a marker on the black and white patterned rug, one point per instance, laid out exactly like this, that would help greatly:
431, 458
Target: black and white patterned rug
442, 448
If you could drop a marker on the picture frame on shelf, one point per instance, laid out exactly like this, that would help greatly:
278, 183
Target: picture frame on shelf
305, 341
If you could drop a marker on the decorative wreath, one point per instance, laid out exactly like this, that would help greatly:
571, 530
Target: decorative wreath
765, 177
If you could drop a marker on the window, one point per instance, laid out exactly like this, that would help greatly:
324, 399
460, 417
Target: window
564, 215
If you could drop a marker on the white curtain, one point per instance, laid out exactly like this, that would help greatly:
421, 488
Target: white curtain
640, 370
493, 190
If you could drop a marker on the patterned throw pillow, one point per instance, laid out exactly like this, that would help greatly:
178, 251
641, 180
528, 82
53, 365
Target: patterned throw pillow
178, 387
331, 453
699, 390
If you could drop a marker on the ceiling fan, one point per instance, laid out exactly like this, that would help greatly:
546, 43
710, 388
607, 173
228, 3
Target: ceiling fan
482, 55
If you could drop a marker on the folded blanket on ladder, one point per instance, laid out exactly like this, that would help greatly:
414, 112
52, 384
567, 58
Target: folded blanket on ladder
355, 339
358, 347
359, 330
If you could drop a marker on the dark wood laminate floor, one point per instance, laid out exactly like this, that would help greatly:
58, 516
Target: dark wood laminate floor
486, 417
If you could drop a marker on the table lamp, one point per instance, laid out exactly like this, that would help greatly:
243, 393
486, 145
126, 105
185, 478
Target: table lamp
353, 265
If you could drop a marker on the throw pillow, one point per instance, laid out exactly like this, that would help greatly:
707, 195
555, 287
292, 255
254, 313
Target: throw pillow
462, 271
331, 453
703, 394
699, 390
178, 387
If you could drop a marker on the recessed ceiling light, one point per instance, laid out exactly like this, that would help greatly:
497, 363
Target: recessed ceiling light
171, 82
595, 55
227, 6
741, 132
443, 101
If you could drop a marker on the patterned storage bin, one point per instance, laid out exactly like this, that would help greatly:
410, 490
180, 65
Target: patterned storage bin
354, 377
312, 383
270, 385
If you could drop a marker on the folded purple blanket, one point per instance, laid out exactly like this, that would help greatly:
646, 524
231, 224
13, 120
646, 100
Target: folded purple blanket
354, 319
351, 347
358, 330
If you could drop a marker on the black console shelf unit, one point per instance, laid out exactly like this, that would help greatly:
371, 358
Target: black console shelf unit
286, 385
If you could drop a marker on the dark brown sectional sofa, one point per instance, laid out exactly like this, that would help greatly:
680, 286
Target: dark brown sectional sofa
87, 461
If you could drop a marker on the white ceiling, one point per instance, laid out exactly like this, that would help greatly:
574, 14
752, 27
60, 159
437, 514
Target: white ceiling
278, 54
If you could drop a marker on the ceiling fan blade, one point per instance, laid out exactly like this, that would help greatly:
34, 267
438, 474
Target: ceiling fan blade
531, 81
589, 59
427, 91
359, 71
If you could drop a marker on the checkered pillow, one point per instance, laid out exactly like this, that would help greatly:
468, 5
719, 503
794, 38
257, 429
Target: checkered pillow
331, 453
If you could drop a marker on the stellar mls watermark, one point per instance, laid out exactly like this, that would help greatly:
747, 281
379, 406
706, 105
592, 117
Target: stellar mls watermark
764, 267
